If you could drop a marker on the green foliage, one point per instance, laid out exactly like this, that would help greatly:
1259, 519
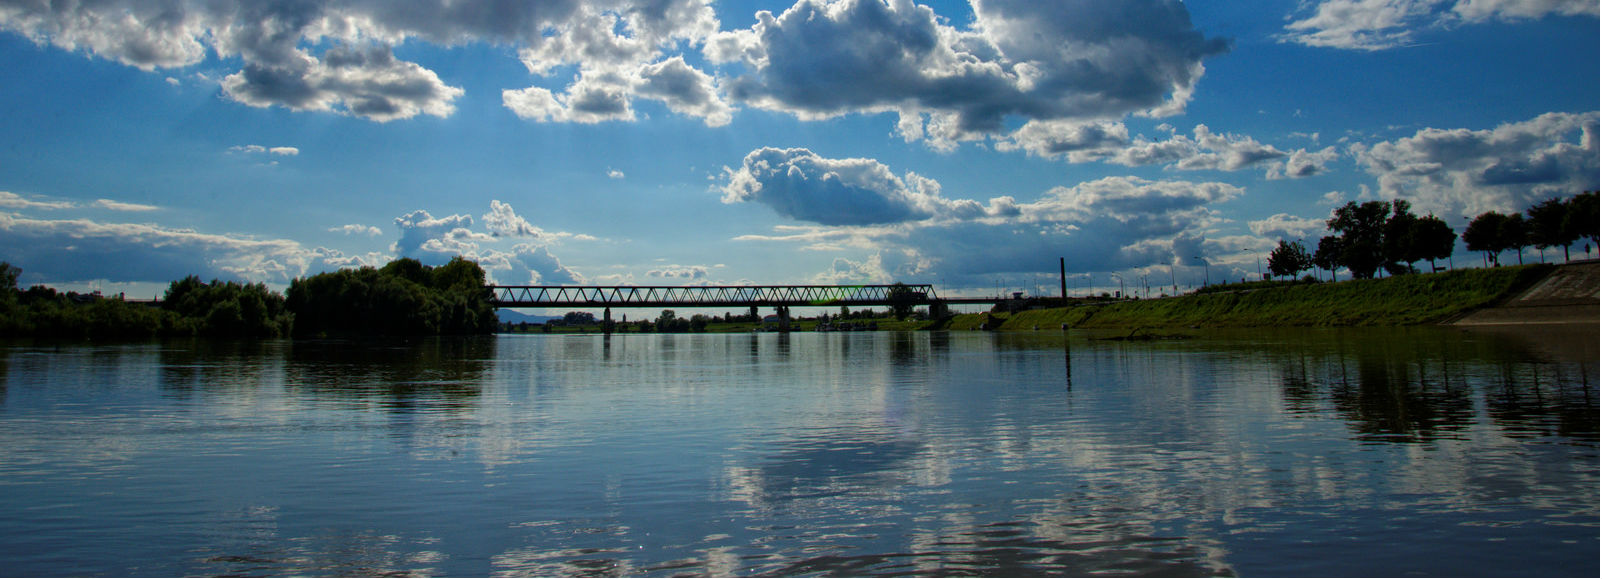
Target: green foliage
1582, 215
228, 309
404, 297
1362, 232
1328, 254
1432, 239
902, 300
1397, 301
45, 313
1289, 259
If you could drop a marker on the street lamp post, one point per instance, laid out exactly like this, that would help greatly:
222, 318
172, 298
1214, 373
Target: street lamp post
1207, 270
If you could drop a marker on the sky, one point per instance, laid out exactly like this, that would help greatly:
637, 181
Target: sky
970, 145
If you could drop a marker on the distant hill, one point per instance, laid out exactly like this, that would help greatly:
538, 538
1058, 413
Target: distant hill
514, 317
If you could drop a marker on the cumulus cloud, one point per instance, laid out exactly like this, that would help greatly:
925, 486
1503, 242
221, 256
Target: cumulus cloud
1286, 226
802, 185
502, 221
620, 53
595, 60
435, 240
1102, 225
276, 41
1382, 24
1036, 60
420, 227
690, 272
542, 267
1109, 141
74, 250
1508, 168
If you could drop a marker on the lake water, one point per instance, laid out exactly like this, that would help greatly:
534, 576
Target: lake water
1420, 451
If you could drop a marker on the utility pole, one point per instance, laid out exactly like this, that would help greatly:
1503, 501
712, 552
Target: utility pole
1062, 273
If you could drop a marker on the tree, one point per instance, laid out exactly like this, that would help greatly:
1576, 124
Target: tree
1362, 232
1432, 239
902, 300
1548, 226
1400, 250
1484, 233
1514, 233
1582, 217
1289, 259
1328, 254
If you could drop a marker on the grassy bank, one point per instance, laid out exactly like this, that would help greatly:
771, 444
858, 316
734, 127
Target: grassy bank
1396, 301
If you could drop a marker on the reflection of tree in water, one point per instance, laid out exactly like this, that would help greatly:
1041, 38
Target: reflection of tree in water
1389, 401
1421, 385
400, 375
201, 365
1535, 400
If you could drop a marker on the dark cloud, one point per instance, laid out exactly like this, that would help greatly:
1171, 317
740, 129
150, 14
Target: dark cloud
1036, 60
79, 250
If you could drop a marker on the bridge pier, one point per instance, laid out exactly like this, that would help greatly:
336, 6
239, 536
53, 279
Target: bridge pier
606, 321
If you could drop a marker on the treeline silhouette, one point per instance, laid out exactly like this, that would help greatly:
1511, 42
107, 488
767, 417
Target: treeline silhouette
404, 297
1386, 235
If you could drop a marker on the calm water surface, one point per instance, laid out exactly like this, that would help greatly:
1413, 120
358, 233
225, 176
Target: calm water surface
1311, 453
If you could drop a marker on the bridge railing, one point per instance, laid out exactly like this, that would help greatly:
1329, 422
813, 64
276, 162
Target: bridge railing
711, 296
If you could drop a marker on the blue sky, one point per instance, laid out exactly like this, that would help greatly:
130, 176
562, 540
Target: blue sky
671, 142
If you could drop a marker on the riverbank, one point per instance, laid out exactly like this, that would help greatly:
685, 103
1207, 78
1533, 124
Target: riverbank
1396, 301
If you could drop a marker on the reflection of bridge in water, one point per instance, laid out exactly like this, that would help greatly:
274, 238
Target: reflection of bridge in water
723, 296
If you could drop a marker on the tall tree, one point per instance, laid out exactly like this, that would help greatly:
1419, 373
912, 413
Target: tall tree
1550, 226
1432, 239
1400, 250
1289, 259
1362, 232
1484, 233
1582, 216
1328, 254
1515, 234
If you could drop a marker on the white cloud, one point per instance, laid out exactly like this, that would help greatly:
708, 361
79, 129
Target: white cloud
502, 221
1382, 24
1104, 141
11, 200
1508, 168
357, 229
261, 150
419, 227
690, 272
1286, 226
800, 184
614, 174
120, 206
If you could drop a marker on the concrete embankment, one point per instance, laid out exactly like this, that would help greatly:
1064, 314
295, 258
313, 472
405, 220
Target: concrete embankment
1568, 295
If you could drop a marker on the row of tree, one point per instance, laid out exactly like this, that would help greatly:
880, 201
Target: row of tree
1386, 235
403, 297
1548, 224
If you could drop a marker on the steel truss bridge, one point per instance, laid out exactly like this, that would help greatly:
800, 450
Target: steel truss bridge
720, 296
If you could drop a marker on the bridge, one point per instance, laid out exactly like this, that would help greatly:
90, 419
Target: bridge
721, 296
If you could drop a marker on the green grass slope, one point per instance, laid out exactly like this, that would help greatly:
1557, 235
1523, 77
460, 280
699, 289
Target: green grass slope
1396, 301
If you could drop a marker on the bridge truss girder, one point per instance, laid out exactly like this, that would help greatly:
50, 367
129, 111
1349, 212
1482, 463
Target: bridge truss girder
709, 296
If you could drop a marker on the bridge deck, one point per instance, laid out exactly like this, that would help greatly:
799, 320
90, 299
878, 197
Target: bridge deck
717, 296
